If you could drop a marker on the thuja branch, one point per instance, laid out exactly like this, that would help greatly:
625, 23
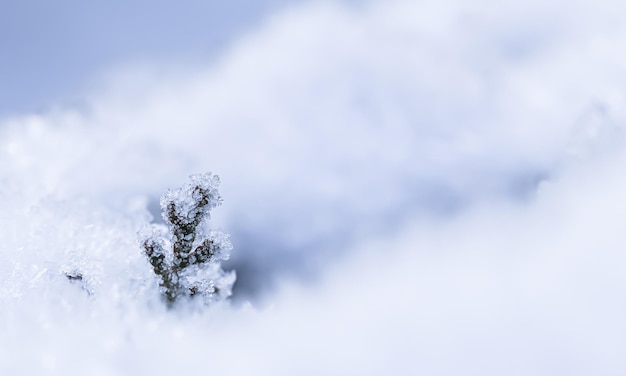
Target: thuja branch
186, 257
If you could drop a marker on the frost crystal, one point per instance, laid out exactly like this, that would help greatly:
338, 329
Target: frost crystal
191, 268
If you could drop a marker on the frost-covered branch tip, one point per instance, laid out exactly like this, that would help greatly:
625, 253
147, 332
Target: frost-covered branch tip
185, 256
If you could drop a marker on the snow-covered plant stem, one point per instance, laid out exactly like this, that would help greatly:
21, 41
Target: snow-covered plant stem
192, 266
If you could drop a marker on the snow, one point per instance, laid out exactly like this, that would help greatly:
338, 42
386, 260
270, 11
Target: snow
409, 189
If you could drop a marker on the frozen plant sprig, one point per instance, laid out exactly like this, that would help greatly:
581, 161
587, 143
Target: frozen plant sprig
191, 268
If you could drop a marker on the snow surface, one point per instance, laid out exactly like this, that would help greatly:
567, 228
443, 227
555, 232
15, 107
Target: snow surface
411, 188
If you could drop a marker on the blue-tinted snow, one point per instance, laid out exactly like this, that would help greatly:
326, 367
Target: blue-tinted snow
410, 188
